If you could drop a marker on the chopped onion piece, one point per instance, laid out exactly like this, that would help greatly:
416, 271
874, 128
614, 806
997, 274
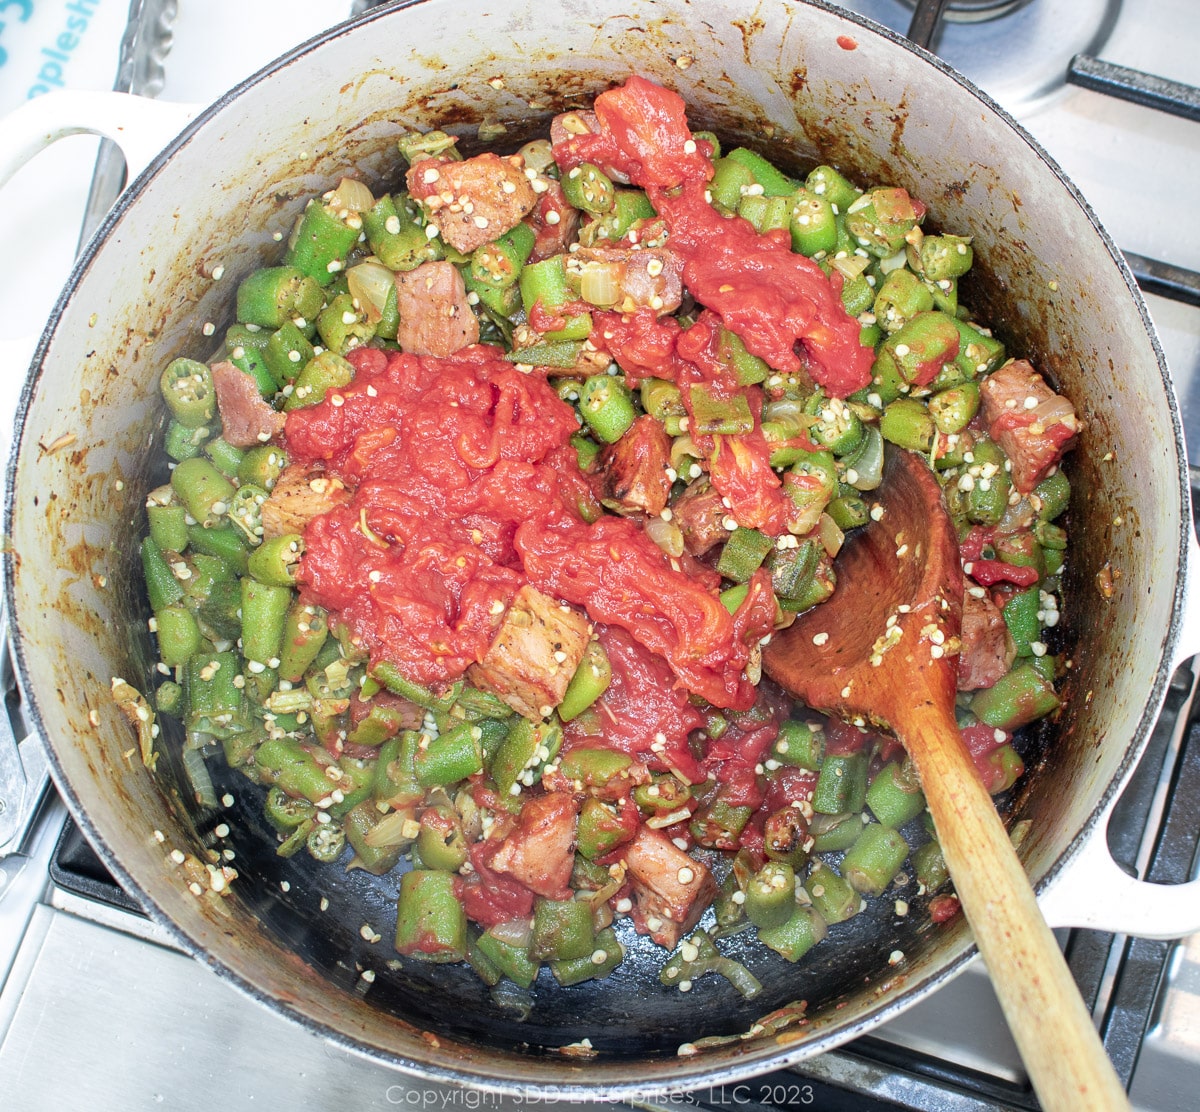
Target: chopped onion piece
683, 448
661, 822
1054, 411
600, 283
197, 771
514, 932
352, 195
390, 830
831, 536
785, 409
537, 155
666, 534
850, 266
370, 284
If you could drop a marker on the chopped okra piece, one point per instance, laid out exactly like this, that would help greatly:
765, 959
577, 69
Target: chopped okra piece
276, 294
743, 554
321, 242
590, 681
812, 224
431, 924
187, 387
795, 937
771, 895
873, 862
832, 896
894, 794
606, 404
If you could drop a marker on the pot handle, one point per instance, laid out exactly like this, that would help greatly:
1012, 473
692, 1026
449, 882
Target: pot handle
1096, 892
1189, 633
1100, 895
139, 126
24, 770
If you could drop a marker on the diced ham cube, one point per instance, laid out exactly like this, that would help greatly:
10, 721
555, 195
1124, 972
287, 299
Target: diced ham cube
700, 515
554, 221
247, 418
540, 853
988, 649
670, 890
1032, 423
474, 201
300, 494
633, 471
642, 277
534, 654
435, 316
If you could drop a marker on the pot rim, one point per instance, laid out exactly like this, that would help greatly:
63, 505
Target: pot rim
711, 1068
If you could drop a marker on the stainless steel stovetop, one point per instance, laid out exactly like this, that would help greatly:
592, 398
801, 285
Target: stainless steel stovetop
98, 1011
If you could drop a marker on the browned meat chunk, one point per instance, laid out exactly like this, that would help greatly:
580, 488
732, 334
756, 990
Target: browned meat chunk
638, 277
474, 201
435, 317
1032, 423
554, 221
988, 649
247, 419
670, 890
633, 471
700, 515
540, 853
300, 494
534, 654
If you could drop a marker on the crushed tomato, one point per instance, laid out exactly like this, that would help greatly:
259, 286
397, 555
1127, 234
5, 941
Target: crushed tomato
464, 487
761, 289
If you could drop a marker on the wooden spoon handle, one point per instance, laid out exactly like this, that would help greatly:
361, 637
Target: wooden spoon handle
1053, 1030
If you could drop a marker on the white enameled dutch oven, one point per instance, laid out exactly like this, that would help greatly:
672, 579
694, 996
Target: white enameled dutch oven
803, 83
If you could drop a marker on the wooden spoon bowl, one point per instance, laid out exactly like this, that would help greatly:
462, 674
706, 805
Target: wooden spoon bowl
884, 650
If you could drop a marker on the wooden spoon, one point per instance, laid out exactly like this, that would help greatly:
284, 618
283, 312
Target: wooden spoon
883, 650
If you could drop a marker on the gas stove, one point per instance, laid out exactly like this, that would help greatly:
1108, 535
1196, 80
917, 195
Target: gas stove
98, 1010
